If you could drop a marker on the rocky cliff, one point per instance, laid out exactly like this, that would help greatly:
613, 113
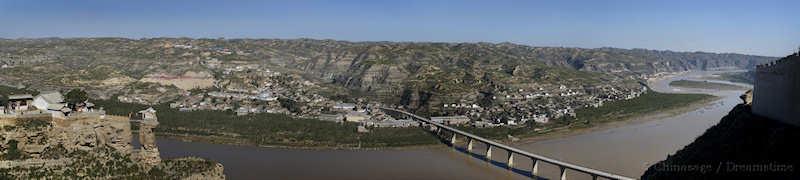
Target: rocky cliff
742, 145
86, 146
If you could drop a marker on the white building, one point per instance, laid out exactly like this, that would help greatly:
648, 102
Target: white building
51, 101
148, 113
331, 117
450, 120
355, 116
266, 96
344, 106
541, 118
19, 102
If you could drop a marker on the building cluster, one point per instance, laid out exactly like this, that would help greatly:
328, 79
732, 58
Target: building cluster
366, 114
247, 88
540, 105
47, 102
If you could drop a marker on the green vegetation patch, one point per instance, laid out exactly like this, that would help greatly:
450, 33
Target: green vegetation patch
705, 85
646, 103
272, 129
12, 151
5, 91
738, 77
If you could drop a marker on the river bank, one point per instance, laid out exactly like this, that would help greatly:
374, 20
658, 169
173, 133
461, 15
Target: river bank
632, 112
628, 149
638, 119
239, 142
631, 148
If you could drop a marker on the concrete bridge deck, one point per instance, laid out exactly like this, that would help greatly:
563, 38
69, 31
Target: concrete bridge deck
536, 159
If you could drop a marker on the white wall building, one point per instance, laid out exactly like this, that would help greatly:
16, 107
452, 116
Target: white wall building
51, 101
451, 120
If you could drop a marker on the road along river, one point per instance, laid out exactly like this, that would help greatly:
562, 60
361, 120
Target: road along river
627, 150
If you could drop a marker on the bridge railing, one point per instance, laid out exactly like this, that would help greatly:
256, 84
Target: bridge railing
537, 159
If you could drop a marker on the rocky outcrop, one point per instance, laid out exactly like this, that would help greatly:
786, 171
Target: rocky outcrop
149, 153
742, 145
91, 146
36, 134
198, 169
747, 97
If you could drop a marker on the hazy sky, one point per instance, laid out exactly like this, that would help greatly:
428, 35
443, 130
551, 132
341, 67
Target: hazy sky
761, 27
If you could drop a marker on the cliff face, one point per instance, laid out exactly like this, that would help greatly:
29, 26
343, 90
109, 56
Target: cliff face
35, 135
742, 145
86, 146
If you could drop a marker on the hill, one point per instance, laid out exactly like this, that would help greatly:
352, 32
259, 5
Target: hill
408, 73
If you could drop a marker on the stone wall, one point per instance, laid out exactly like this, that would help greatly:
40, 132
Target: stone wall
776, 93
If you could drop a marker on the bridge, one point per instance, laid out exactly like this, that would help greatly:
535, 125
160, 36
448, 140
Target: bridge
511, 151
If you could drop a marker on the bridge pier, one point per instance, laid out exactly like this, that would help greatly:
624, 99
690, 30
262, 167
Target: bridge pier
535, 168
453, 140
489, 152
510, 161
469, 145
563, 173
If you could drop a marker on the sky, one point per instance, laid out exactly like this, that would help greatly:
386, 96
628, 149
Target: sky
762, 27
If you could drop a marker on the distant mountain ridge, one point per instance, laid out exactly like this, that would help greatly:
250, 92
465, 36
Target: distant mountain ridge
405, 72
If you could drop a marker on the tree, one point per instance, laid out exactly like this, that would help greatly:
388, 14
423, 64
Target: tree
3, 100
76, 96
12, 152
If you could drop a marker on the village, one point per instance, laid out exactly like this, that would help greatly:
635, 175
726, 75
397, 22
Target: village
244, 89
248, 89
540, 105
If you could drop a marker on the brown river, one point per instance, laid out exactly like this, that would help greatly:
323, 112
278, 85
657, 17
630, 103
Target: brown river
626, 150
